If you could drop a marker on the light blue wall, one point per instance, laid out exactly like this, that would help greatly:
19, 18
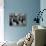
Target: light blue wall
30, 7
43, 6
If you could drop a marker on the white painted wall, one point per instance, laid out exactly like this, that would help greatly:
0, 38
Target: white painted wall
1, 21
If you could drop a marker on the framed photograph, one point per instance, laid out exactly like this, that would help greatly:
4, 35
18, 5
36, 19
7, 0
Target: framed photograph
17, 20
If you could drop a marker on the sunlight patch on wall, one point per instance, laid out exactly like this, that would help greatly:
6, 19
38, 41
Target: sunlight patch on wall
1, 21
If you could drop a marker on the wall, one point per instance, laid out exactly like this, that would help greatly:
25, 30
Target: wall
1, 21
43, 6
30, 7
